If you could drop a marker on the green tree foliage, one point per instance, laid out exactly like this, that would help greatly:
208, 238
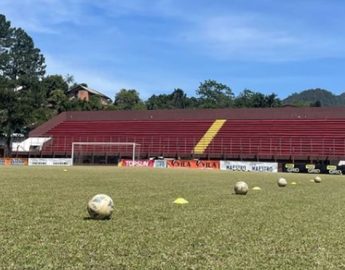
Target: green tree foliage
14, 114
251, 99
212, 94
176, 100
128, 100
54, 82
156, 102
21, 69
20, 61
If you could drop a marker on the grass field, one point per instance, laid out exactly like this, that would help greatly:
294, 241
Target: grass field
44, 224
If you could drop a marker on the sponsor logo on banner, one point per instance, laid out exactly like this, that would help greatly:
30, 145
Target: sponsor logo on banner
290, 167
332, 169
50, 162
160, 164
18, 162
136, 163
13, 161
311, 168
248, 166
193, 164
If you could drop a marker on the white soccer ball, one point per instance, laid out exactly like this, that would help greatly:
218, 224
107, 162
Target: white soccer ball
317, 179
241, 188
101, 206
282, 182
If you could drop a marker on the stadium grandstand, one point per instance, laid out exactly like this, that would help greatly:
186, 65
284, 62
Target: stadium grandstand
279, 134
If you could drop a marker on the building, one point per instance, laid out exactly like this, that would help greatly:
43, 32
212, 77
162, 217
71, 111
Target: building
82, 92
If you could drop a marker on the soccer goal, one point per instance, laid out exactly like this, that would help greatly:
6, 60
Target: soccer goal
103, 152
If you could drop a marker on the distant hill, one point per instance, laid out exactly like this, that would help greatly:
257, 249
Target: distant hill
316, 97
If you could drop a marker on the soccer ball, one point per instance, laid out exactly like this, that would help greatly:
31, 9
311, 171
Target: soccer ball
317, 179
282, 182
241, 188
100, 206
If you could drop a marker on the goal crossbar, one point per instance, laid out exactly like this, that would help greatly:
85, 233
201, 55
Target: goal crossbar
134, 145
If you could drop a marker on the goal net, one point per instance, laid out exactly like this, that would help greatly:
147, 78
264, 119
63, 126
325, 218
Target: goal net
106, 153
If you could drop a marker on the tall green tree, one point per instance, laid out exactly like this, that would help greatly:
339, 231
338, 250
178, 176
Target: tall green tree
156, 102
21, 70
176, 100
54, 82
128, 100
212, 94
20, 61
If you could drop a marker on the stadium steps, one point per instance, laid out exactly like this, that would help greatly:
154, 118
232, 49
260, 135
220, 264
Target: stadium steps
208, 136
167, 138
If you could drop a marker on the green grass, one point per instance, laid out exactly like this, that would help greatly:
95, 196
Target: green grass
44, 225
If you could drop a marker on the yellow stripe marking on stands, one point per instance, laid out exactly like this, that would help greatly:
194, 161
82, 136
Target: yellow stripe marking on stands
208, 136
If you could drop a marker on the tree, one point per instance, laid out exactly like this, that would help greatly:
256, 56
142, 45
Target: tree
54, 82
158, 102
179, 99
21, 69
13, 115
272, 100
55, 87
251, 99
20, 61
128, 100
176, 100
212, 94
244, 99
316, 104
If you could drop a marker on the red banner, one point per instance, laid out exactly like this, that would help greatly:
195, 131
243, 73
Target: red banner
136, 163
194, 164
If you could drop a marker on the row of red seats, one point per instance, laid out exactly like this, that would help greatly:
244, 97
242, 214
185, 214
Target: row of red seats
154, 137
237, 138
281, 138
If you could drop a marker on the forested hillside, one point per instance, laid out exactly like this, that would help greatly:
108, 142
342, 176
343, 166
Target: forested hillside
316, 98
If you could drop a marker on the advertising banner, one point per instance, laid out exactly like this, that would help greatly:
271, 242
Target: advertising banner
249, 166
312, 168
333, 169
194, 164
50, 162
136, 163
14, 161
291, 168
160, 163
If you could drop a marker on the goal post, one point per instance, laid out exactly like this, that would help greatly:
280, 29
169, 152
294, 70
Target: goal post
104, 148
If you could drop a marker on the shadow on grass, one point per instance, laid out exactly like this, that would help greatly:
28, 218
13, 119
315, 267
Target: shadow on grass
95, 219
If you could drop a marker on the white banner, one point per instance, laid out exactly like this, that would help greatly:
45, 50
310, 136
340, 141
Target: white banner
249, 166
160, 163
50, 162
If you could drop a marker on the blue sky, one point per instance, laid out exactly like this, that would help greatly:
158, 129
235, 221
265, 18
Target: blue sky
154, 46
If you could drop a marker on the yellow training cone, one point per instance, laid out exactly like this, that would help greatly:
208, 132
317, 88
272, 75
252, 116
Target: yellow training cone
293, 183
256, 188
180, 201
65, 170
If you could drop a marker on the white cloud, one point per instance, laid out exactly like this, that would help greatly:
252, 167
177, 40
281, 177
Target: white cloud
257, 38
